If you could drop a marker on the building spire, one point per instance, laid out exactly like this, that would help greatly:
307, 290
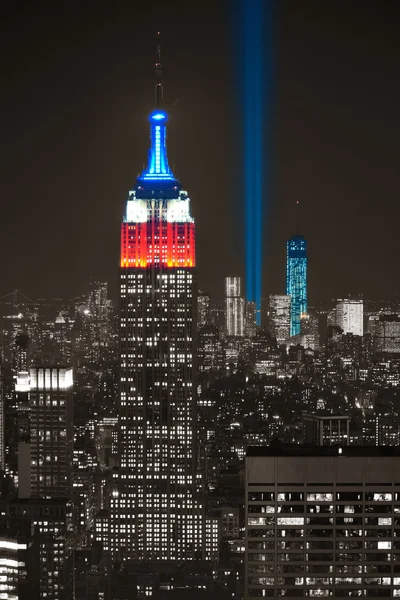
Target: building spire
297, 217
159, 87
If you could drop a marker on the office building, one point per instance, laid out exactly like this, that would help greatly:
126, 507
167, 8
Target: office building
18, 561
203, 309
326, 429
156, 512
234, 307
45, 458
51, 523
349, 316
321, 522
210, 353
279, 317
296, 280
386, 333
309, 331
251, 319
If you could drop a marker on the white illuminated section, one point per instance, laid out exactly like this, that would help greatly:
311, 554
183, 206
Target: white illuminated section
7, 545
136, 210
178, 211
8, 562
46, 379
350, 316
22, 385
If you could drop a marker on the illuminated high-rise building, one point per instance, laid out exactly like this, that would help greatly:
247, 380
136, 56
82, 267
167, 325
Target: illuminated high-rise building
349, 315
155, 511
203, 309
309, 330
251, 319
279, 316
234, 307
296, 280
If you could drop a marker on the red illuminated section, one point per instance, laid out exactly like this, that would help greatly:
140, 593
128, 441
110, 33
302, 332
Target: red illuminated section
157, 243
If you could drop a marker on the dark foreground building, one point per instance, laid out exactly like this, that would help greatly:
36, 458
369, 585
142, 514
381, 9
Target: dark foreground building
323, 522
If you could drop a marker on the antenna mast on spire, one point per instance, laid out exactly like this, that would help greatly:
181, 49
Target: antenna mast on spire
297, 218
159, 87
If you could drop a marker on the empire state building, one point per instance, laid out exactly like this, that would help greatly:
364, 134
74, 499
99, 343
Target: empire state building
156, 507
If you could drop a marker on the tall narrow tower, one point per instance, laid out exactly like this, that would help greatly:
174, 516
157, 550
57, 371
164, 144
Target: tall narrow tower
154, 511
296, 280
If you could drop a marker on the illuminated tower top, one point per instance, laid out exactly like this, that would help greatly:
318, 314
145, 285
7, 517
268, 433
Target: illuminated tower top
157, 168
158, 230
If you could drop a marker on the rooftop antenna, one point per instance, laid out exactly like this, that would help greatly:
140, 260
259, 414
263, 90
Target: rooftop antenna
159, 87
297, 218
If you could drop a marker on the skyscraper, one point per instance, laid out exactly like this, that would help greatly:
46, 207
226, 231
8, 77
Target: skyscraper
51, 432
279, 317
251, 319
296, 280
203, 309
349, 316
234, 307
155, 513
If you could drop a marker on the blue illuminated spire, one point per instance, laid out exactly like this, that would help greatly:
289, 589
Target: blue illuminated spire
157, 167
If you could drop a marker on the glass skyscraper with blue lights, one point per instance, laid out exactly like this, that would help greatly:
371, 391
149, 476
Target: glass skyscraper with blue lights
296, 280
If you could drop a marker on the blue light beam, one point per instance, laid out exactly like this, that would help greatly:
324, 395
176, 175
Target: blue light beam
255, 28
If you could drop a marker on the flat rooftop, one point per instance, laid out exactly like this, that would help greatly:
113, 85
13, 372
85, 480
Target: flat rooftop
325, 416
304, 450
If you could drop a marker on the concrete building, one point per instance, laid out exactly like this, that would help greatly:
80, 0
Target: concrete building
326, 430
234, 307
321, 522
279, 316
349, 316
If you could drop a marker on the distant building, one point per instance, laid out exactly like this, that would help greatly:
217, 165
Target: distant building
251, 319
230, 522
203, 309
46, 461
325, 430
234, 307
386, 333
296, 280
349, 316
309, 331
279, 317
210, 352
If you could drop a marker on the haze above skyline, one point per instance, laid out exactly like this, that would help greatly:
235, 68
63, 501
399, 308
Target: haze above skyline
78, 84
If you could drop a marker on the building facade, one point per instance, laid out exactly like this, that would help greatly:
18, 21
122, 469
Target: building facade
279, 316
46, 459
321, 522
386, 333
203, 309
296, 280
234, 307
156, 507
349, 316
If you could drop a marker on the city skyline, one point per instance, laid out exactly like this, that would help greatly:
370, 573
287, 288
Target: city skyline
89, 154
156, 441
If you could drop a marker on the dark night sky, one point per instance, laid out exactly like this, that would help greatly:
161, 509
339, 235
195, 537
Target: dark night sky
77, 85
